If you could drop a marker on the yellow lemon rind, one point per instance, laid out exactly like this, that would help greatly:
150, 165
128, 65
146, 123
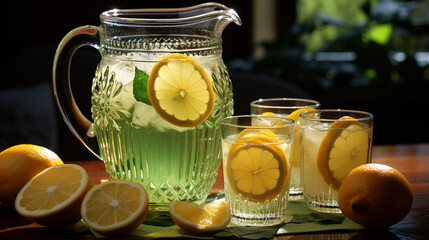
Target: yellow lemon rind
19, 164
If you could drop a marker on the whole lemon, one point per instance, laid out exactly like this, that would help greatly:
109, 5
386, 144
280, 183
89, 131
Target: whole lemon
19, 164
375, 195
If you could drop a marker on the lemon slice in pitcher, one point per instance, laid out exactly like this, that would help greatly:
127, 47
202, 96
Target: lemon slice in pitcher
344, 147
180, 91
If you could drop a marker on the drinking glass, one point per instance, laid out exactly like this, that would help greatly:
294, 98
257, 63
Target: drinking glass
333, 142
256, 163
284, 107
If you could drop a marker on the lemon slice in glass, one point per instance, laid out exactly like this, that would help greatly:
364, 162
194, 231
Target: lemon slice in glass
296, 162
344, 147
296, 151
295, 114
268, 114
257, 168
180, 91
251, 132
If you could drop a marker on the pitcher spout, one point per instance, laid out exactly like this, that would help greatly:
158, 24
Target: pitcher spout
212, 17
222, 17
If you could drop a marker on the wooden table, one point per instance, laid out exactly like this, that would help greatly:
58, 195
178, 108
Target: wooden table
411, 160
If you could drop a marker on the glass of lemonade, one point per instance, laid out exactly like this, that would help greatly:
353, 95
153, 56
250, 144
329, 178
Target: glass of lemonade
158, 95
256, 163
284, 107
333, 142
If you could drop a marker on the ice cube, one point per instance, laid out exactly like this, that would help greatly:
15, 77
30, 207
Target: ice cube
143, 114
124, 72
125, 99
262, 121
146, 116
321, 126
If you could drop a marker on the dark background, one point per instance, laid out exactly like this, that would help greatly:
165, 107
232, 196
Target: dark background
28, 111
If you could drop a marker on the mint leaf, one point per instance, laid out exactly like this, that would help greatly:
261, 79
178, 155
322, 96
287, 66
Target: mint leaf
140, 86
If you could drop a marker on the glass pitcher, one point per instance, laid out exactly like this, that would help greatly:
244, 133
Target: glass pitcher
171, 161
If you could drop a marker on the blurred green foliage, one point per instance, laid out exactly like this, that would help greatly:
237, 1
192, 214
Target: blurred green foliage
338, 43
330, 19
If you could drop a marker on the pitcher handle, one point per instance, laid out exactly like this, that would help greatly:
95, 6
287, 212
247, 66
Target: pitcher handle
80, 126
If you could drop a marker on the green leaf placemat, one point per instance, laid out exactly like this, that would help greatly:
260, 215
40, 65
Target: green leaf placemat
304, 220
300, 219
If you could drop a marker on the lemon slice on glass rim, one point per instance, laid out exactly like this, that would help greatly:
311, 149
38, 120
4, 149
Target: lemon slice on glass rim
180, 91
344, 147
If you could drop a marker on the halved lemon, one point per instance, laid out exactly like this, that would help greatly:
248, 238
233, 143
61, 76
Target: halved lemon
344, 147
115, 208
257, 168
180, 91
54, 196
204, 218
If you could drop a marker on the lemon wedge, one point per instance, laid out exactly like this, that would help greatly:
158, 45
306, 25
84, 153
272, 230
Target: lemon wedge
204, 218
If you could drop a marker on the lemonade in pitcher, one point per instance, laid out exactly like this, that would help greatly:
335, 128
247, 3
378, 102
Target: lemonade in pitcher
172, 162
